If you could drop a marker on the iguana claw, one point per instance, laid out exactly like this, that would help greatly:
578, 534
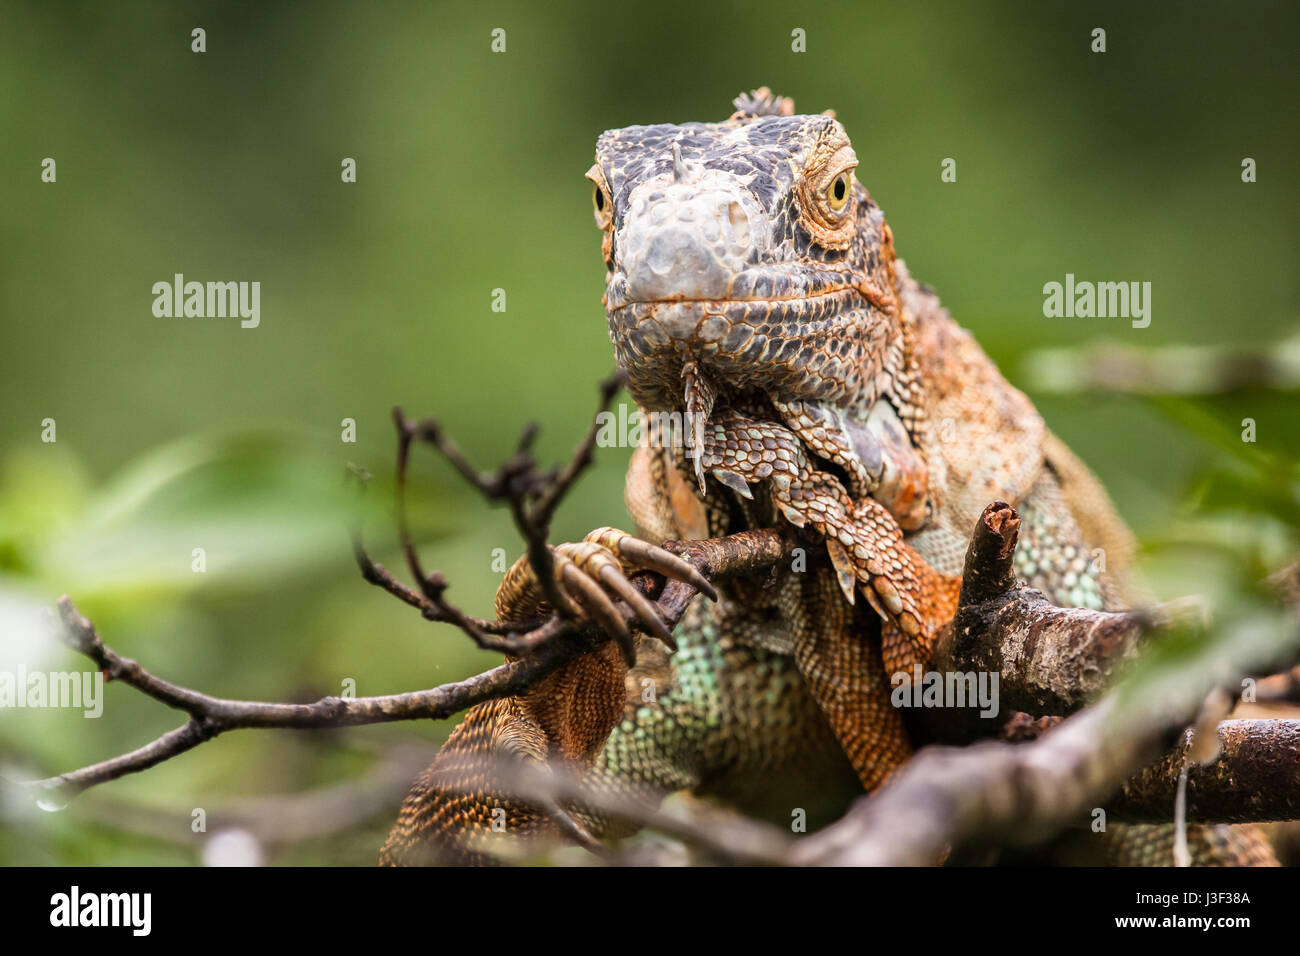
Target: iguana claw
592, 576
642, 554
593, 599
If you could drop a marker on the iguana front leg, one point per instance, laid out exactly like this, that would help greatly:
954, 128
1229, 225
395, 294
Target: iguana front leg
457, 811
863, 540
848, 676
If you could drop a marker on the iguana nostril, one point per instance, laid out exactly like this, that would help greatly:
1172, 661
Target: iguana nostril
739, 223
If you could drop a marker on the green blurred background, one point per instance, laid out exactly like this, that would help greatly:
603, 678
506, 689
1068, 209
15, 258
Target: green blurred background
183, 433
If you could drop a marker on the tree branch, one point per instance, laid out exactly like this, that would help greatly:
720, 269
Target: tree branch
1254, 778
542, 649
998, 792
1050, 660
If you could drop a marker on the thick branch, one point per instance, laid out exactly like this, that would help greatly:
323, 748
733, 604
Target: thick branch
1050, 660
990, 791
994, 793
1254, 778
998, 792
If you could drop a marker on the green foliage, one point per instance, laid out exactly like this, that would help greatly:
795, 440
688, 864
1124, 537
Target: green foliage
1240, 524
225, 166
257, 507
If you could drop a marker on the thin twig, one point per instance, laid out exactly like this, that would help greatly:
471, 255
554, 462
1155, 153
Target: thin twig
544, 649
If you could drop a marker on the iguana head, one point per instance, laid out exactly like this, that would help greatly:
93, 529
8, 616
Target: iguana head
744, 255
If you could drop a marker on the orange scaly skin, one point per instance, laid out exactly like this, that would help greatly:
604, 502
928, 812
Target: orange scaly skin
753, 288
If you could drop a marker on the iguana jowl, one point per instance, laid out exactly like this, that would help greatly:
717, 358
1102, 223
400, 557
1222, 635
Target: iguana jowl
752, 287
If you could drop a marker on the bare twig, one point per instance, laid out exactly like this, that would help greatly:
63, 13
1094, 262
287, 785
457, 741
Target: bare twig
542, 649
531, 495
721, 835
482, 631
211, 716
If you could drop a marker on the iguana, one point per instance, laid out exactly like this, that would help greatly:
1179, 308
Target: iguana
752, 288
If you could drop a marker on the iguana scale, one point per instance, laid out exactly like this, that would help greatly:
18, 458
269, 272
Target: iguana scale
752, 289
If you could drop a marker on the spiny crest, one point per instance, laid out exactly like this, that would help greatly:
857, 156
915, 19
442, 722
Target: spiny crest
761, 102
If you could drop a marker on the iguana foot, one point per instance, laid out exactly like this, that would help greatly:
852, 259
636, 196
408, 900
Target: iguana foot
591, 574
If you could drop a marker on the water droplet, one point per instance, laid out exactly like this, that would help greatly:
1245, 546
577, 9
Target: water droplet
54, 800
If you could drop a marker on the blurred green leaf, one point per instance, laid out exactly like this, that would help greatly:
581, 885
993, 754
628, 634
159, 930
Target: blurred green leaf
258, 506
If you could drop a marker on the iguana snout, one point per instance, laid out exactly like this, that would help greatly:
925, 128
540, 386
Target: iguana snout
748, 248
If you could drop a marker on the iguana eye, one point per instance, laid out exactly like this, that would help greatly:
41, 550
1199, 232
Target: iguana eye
837, 193
601, 204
